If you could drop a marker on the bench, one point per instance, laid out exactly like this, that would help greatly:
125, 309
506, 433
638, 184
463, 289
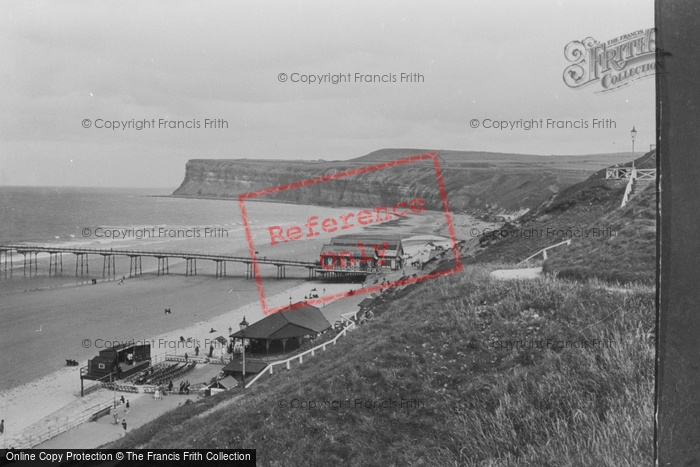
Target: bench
100, 413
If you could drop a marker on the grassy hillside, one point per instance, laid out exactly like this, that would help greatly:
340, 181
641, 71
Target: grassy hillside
442, 346
628, 257
622, 249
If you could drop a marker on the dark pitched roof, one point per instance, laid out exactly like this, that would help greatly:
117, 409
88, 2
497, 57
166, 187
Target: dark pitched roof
226, 383
294, 322
367, 240
365, 302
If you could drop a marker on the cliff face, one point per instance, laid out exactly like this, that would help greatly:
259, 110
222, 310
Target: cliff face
470, 183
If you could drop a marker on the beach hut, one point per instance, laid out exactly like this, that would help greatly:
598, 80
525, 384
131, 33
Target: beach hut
224, 384
119, 361
291, 325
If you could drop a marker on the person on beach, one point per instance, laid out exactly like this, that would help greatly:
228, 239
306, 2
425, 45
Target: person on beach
2, 426
121, 399
116, 418
186, 357
128, 407
211, 350
170, 386
124, 426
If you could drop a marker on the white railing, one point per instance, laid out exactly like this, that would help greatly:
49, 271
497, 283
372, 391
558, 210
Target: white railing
544, 251
646, 174
618, 173
349, 327
628, 189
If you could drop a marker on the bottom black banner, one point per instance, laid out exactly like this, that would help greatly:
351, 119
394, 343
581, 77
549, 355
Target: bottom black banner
129, 457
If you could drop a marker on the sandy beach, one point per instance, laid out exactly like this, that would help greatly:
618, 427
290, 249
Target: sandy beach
59, 318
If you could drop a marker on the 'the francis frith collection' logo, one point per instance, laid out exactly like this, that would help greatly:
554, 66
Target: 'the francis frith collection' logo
614, 63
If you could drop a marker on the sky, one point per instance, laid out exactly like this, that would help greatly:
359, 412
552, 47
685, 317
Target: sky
71, 68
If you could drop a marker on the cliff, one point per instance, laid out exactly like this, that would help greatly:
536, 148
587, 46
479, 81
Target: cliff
472, 179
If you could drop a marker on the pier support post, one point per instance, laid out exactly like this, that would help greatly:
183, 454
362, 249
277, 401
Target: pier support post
8, 258
163, 267
280, 271
55, 262
25, 262
81, 259
191, 267
108, 264
134, 265
220, 269
249, 270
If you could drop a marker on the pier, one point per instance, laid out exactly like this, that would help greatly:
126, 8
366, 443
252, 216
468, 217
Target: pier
109, 256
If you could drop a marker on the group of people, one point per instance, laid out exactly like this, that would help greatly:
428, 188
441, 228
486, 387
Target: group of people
127, 407
184, 387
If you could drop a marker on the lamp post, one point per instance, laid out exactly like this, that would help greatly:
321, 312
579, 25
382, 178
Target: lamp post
230, 342
244, 326
634, 133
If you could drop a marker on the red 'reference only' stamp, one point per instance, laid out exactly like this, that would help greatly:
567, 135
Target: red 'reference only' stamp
361, 255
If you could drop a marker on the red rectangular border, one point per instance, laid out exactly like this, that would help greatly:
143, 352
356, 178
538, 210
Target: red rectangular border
374, 288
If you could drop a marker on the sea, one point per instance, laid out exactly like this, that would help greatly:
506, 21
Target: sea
73, 215
59, 214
